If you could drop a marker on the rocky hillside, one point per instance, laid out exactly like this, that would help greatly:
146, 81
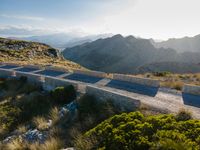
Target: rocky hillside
170, 67
127, 54
24, 52
186, 44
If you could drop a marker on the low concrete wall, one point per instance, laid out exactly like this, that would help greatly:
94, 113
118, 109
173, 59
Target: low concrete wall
121, 101
52, 82
5, 73
91, 73
142, 81
191, 89
34, 78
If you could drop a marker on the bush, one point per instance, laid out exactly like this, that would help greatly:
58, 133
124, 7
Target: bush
90, 106
40, 123
135, 131
178, 85
8, 116
34, 104
63, 95
161, 74
183, 115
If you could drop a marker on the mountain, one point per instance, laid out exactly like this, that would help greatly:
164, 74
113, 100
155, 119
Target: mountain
23, 52
186, 44
63, 40
125, 55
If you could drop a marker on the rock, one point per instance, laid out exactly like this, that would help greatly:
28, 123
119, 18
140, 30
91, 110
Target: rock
9, 139
70, 148
63, 112
68, 108
71, 106
35, 136
49, 123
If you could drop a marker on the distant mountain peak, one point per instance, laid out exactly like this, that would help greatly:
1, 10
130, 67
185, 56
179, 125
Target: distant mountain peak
117, 36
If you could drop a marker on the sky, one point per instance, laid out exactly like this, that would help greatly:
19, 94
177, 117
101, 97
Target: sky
157, 19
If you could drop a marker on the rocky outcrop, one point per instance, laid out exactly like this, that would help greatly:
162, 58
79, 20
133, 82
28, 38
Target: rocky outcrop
29, 49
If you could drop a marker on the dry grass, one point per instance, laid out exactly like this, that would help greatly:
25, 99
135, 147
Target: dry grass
149, 110
40, 123
64, 64
175, 81
50, 144
16, 145
183, 115
83, 143
54, 115
22, 129
178, 85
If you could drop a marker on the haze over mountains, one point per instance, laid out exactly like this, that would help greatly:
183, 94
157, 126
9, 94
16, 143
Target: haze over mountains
186, 44
63, 40
134, 55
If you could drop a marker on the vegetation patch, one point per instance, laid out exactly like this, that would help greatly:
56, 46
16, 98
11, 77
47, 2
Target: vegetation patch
63, 95
135, 131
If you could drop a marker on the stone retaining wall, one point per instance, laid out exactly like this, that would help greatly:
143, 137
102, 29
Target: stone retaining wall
91, 73
4, 73
121, 101
191, 89
142, 81
33, 66
56, 69
52, 82
34, 78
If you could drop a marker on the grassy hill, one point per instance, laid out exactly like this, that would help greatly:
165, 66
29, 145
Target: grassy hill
23, 52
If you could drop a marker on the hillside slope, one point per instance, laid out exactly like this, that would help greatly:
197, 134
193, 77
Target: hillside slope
125, 54
23, 52
170, 67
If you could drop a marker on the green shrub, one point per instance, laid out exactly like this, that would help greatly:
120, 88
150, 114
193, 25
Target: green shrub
135, 131
8, 116
183, 115
161, 74
34, 105
89, 105
63, 95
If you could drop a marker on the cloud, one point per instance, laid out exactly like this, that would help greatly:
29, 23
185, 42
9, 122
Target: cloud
27, 30
22, 30
33, 18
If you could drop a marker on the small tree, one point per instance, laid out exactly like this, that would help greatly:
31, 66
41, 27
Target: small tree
63, 95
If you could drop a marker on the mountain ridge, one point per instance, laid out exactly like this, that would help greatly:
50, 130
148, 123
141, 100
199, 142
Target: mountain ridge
120, 54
